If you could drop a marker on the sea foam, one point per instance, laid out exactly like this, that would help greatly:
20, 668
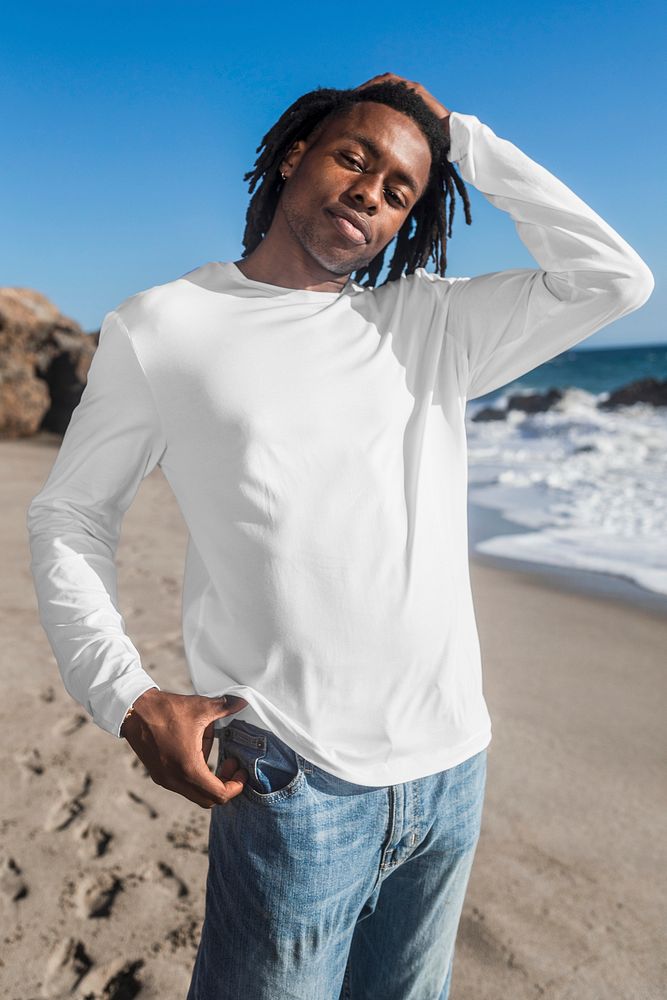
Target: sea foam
590, 485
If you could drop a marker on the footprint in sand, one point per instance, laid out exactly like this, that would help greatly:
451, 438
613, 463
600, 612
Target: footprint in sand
68, 807
66, 966
145, 806
162, 874
30, 761
94, 840
65, 727
12, 884
96, 893
115, 980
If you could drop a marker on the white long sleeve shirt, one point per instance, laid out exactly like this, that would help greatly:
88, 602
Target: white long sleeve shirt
315, 443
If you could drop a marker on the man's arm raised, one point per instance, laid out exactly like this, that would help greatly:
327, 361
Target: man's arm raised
509, 322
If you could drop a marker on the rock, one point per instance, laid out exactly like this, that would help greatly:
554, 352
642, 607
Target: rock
490, 413
643, 390
535, 402
24, 398
44, 362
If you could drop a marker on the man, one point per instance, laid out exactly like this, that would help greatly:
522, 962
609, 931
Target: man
312, 431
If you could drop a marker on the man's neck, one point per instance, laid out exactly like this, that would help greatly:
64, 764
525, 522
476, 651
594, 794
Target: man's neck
287, 275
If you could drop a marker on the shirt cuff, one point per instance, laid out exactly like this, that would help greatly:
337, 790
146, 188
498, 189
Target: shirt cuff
460, 134
123, 693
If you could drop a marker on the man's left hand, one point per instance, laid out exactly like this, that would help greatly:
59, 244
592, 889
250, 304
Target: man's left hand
436, 107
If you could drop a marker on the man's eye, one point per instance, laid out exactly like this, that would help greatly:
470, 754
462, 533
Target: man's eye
397, 201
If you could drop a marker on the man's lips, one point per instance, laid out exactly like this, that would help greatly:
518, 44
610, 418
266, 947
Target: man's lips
350, 225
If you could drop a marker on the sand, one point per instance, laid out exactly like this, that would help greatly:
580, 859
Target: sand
102, 872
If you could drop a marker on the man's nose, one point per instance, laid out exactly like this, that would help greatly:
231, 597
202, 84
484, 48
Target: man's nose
367, 192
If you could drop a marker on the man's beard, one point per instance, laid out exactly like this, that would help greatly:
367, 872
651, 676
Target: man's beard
306, 231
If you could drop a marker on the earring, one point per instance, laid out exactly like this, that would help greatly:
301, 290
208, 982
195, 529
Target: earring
283, 176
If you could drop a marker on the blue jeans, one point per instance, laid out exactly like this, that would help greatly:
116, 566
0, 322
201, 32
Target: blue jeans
322, 889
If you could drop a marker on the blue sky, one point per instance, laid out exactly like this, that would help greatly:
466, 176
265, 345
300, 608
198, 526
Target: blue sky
127, 127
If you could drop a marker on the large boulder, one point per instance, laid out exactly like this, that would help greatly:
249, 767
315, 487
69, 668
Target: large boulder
643, 390
44, 362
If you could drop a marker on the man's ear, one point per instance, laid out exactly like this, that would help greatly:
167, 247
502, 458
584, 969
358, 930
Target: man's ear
292, 156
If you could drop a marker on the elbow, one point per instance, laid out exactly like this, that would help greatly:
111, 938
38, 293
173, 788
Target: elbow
56, 519
38, 514
633, 288
624, 288
636, 284
642, 284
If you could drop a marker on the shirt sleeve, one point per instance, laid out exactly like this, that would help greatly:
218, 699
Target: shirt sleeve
509, 322
113, 440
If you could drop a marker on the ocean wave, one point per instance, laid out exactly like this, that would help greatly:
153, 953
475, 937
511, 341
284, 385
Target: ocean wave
589, 483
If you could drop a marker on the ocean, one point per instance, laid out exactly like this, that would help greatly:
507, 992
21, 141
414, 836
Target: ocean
576, 489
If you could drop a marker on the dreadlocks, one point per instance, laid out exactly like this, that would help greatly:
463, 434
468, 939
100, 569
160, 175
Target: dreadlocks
306, 117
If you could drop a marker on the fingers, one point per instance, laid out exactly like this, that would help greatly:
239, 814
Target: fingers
207, 741
384, 76
225, 784
181, 765
232, 777
209, 790
225, 704
373, 79
435, 106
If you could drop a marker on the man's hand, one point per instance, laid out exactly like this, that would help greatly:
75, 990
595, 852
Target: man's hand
172, 734
436, 107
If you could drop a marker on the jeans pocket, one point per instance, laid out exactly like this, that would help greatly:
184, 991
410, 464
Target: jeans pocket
275, 771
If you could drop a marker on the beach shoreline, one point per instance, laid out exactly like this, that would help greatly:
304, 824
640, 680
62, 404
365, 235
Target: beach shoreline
485, 522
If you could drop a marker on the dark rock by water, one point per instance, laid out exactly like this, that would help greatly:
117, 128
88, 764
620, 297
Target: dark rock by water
533, 402
644, 390
490, 413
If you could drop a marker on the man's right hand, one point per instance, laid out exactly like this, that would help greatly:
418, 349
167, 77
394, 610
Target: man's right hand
172, 735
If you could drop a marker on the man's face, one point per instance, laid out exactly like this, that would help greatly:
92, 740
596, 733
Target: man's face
336, 172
